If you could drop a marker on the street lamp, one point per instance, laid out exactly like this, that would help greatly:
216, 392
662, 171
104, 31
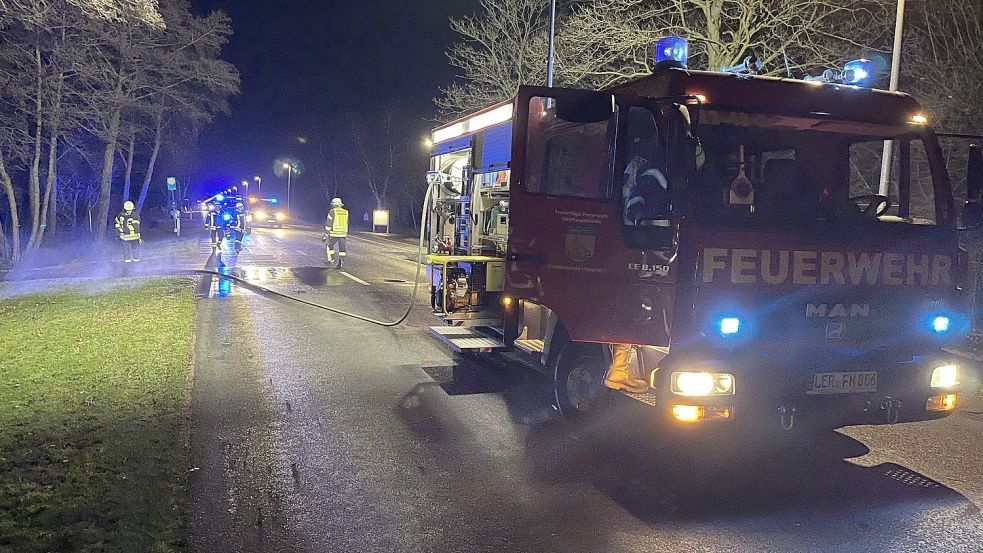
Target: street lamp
549, 58
259, 184
245, 186
289, 169
885, 184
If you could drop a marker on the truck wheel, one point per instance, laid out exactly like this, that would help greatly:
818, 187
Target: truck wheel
578, 380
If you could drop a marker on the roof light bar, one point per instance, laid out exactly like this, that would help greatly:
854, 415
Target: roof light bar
750, 66
856, 73
474, 123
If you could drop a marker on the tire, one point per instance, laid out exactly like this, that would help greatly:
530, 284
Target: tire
578, 380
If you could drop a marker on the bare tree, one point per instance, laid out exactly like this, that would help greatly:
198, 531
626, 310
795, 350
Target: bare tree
943, 60
375, 145
133, 67
33, 11
196, 85
600, 44
501, 48
76, 70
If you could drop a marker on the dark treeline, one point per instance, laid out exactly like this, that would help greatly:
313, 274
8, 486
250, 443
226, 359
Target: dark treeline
91, 93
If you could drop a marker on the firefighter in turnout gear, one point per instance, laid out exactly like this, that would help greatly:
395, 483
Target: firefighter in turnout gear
238, 225
336, 232
128, 227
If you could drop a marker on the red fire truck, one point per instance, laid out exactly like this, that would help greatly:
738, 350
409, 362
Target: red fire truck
727, 226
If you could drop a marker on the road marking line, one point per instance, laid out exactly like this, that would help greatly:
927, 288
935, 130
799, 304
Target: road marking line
355, 278
372, 237
389, 243
300, 252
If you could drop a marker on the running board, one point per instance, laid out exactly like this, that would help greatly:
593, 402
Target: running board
465, 339
472, 322
647, 397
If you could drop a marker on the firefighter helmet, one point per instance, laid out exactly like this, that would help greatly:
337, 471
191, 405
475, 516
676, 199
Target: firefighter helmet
336, 202
128, 206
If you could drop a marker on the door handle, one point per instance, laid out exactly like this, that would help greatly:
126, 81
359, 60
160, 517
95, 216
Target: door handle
531, 258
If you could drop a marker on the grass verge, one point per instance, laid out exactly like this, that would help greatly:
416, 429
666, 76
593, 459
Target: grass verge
93, 418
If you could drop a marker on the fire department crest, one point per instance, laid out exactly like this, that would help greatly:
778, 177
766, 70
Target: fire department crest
580, 241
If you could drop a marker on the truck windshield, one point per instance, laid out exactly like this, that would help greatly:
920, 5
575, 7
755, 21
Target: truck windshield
790, 170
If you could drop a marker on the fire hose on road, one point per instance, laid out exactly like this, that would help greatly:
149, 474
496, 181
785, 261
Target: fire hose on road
409, 307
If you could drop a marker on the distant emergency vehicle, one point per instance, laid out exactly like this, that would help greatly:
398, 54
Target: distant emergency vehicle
266, 212
726, 224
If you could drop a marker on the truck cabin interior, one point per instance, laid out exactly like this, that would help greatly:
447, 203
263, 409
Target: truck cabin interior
785, 151
793, 170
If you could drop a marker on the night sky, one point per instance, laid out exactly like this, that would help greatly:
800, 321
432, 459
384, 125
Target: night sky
305, 62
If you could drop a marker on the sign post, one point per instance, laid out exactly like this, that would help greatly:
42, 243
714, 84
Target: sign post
175, 212
380, 218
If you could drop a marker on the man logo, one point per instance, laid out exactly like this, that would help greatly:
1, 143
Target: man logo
823, 310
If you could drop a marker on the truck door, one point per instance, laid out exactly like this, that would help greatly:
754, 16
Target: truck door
567, 244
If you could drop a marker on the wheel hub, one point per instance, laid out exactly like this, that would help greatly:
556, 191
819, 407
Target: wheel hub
582, 388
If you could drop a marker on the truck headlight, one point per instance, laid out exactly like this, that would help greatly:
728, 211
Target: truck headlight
945, 376
280, 216
261, 215
688, 383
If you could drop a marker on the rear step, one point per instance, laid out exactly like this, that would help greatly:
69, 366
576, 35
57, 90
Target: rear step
532, 347
467, 339
474, 321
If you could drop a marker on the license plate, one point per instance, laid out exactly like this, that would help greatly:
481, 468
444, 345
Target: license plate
844, 383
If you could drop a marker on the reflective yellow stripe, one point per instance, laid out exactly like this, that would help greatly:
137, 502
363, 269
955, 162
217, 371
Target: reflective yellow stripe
339, 222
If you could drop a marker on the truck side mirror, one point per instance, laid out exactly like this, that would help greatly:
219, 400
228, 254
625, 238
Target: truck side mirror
587, 108
973, 210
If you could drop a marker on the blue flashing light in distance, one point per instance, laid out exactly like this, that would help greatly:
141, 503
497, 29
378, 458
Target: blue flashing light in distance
219, 198
672, 48
730, 326
226, 216
940, 324
274, 201
858, 72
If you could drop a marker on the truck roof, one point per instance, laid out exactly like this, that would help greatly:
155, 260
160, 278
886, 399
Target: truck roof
779, 95
747, 93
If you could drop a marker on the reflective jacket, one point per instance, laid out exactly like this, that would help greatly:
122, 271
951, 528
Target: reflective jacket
128, 225
337, 225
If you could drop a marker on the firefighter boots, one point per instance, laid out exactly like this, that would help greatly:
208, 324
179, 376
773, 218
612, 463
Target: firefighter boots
619, 375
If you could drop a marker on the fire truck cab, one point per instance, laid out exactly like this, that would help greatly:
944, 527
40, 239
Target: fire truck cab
727, 226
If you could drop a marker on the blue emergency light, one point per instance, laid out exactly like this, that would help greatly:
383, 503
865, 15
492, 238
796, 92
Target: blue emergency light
219, 198
730, 326
226, 217
672, 49
858, 72
274, 201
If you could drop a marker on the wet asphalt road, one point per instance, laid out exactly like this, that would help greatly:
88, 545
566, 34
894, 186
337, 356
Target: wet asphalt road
314, 432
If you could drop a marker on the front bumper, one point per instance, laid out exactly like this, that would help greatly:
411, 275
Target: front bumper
767, 395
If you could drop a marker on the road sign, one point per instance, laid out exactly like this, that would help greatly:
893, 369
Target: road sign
171, 183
